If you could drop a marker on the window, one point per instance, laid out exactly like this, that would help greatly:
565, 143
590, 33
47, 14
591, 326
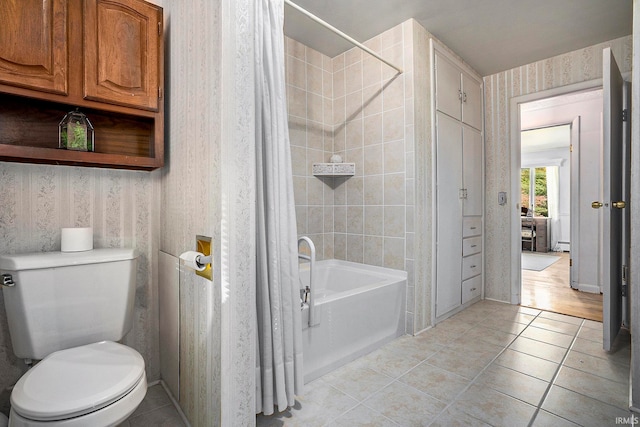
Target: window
533, 190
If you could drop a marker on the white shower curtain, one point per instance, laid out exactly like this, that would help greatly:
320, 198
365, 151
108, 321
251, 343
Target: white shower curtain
279, 374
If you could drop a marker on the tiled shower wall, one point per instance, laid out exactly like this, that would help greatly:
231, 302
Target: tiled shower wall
356, 106
309, 97
373, 118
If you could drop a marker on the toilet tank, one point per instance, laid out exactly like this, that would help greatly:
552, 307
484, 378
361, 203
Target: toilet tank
66, 299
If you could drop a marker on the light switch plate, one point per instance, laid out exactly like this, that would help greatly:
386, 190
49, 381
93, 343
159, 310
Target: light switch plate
502, 198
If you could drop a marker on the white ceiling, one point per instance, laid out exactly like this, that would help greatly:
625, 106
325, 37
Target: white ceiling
491, 35
545, 139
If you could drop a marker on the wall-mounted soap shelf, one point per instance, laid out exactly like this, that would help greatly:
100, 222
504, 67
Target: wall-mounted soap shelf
334, 169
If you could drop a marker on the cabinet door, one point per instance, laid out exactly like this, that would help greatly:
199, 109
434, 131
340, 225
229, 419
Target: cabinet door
471, 101
471, 289
122, 42
472, 171
449, 212
33, 44
448, 91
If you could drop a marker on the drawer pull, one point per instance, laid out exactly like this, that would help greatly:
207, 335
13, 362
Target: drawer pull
472, 289
473, 246
473, 228
473, 266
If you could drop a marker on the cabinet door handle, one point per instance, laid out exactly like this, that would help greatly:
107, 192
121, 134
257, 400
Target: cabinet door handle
460, 94
464, 97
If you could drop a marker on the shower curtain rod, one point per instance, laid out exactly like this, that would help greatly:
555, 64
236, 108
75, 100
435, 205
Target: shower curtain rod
341, 34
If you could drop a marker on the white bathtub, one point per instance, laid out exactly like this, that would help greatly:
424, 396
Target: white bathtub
358, 309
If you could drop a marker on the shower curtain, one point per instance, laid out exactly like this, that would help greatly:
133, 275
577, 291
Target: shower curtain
279, 333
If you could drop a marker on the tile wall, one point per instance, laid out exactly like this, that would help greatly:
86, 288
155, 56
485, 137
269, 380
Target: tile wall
372, 123
356, 106
309, 80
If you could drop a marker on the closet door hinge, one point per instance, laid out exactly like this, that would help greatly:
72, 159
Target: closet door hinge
159, 93
623, 290
625, 273
625, 115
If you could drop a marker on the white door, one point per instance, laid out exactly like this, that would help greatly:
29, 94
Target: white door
472, 171
471, 101
613, 203
626, 193
448, 91
574, 238
449, 211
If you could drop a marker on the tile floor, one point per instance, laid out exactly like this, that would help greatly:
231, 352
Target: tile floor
493, 364
155, 410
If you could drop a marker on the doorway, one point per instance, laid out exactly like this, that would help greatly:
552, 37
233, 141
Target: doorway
557, 134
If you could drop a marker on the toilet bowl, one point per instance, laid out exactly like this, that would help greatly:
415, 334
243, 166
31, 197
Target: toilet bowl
98, 384
68, 310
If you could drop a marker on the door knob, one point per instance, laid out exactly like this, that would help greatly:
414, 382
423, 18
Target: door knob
596, 205
619, 205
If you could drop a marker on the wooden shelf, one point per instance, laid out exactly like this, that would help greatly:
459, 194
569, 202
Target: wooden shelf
55, 156
29, 133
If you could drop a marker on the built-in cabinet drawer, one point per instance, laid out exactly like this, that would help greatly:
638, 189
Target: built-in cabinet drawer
471, 266
471, 245
471, 289
471, 226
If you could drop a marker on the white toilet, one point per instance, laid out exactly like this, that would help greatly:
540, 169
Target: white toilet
68, 309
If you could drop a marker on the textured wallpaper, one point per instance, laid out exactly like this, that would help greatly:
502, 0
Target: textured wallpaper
190, 183
121, 206
208, 189
573, 67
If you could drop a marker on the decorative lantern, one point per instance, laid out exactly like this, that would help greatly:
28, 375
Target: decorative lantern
75, 132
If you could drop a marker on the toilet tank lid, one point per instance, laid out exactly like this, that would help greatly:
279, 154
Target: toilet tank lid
40, 260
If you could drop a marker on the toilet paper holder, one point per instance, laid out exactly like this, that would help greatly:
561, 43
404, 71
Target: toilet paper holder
196, 260
200, 260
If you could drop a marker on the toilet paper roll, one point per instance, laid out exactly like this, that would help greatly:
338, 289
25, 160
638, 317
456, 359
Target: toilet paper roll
76, 239
190, 259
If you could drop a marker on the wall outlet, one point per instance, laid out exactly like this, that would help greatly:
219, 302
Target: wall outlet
502, 198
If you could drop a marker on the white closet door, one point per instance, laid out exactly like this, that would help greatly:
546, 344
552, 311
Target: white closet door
471, 101
448, 91
472, 171
449, 211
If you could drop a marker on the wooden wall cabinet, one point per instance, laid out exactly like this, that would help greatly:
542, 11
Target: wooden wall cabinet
104, 57
33, 44
121, 52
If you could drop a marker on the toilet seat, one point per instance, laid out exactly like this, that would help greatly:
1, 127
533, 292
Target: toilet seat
77, 381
